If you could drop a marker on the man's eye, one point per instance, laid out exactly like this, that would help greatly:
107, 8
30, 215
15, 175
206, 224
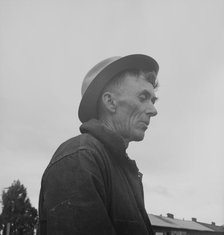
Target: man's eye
142, 97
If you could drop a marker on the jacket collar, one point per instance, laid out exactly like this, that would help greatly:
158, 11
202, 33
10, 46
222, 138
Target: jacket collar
110, 139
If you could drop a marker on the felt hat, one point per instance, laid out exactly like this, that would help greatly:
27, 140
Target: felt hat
97, 78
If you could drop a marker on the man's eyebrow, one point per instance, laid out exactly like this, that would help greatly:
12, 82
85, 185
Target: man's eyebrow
149, 94
145, 91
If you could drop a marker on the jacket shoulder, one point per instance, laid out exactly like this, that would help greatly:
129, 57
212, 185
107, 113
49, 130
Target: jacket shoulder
73, 145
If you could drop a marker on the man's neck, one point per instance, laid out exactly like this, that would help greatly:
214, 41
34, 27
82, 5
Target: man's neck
109, 124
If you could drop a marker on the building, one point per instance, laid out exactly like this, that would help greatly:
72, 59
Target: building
213, 226
171, 226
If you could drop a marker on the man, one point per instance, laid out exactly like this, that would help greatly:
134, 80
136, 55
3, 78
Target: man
91, 186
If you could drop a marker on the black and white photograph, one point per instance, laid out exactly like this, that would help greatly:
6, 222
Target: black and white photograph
111, 117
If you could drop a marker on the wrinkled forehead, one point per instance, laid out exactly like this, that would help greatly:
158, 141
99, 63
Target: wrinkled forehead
138, 75
136, 84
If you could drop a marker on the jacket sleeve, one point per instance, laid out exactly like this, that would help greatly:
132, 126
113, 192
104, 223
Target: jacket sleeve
74, 197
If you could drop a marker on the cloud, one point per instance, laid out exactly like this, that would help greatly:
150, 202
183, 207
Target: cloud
47, 48
159, 189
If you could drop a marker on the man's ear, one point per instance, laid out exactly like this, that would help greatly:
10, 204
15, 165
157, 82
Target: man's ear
109, 101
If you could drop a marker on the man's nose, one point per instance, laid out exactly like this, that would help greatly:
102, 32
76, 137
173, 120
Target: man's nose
151, 110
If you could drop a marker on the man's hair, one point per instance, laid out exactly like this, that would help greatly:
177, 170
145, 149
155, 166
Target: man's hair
117, 81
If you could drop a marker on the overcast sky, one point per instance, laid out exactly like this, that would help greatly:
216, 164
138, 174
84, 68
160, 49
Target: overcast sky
47, 47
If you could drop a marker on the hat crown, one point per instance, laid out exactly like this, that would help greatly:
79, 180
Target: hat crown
91, 75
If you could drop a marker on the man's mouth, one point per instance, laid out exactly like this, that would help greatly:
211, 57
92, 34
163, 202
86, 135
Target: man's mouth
144, 124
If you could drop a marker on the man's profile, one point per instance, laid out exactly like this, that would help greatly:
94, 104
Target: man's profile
91, 186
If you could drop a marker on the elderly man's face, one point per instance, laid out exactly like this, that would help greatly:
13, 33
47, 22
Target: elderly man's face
135, 107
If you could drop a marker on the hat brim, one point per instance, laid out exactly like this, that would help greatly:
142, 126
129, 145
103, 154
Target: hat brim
88, 104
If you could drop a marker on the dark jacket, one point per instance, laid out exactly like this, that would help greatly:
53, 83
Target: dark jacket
91, 187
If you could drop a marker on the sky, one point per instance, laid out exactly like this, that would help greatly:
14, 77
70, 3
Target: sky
47, 47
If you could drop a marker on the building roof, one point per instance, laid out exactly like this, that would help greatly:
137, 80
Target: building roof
213, 227
162, 221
